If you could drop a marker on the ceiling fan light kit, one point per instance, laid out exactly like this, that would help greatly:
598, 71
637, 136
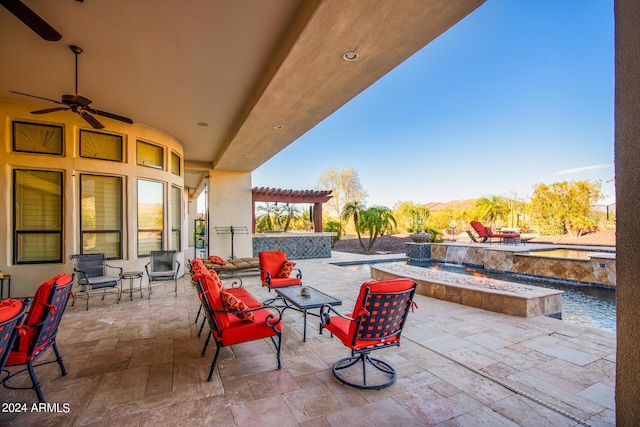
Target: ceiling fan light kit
77, 103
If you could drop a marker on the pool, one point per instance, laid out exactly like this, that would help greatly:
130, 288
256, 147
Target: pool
584, 305
579, 254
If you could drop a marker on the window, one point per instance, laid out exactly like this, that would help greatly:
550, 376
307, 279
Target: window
37, 138
176, 220
150, 155
175, 164
150, 216
101, 215
37, 216
97, 145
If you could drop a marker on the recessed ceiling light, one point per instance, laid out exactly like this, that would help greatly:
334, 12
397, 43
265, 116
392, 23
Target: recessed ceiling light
350, 56
203, 124
277, 126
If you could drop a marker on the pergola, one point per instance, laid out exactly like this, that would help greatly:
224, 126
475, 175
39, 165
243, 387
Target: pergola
267, 194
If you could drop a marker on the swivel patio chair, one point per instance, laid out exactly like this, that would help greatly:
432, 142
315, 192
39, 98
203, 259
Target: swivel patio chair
276, 270
39, 331
375, 323
93, 275
163, 267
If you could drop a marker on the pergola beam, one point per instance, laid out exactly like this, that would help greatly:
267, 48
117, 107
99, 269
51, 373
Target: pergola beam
268, 194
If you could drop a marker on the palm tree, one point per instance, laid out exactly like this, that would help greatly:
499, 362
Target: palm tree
266, 212
376, 221
352, 211
285, 214
491, 208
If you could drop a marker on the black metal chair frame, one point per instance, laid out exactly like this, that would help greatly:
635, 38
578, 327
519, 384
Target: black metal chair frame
215, 330
94, 266
45, 338
9, 329
364, 323
159, 264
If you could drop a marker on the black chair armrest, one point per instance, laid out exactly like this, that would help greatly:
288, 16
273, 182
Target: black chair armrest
299, 274
116, 268
325, 317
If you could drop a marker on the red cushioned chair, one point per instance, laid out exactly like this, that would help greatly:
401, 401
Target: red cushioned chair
275, 274
376, 322
11, 314
40, 330
227, 329
485, 233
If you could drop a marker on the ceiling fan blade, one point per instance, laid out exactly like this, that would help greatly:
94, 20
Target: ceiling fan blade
34, 96
91, 120
112, 116
31, 20
50, 110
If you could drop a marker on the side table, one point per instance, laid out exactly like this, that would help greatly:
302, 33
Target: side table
6, 277
131, 275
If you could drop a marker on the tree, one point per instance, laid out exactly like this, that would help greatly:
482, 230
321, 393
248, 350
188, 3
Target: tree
267, 215
565, 207
375, 221
491, 208
345, 188
410, 216
352, 211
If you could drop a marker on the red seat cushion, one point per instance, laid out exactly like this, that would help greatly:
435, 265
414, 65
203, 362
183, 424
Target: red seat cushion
345, 329
239, 331
289, 281
19, 353
272, 262
212, 293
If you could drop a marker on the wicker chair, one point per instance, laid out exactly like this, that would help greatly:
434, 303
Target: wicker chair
163, 267
376, 323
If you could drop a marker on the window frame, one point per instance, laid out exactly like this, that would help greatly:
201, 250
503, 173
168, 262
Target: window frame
138, 229
14, 131
179, 221
88, 131
151, 144
177, 156
119, 232
17, 233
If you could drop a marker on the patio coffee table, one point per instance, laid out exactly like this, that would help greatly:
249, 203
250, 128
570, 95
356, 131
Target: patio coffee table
313, 299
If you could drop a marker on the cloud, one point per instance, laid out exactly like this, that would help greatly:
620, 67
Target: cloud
583, 169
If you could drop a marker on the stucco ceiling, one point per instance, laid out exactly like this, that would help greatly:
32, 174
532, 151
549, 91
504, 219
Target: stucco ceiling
242, 67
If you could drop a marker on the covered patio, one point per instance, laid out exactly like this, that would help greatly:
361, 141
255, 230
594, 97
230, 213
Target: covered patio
138, 363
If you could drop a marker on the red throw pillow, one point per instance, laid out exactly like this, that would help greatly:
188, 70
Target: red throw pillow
286, 269
217, 260
232, 303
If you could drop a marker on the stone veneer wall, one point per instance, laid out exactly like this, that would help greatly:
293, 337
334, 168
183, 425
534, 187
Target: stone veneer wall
600, 271
296, 246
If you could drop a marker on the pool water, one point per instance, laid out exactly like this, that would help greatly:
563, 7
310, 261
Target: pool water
584, 305
569, 253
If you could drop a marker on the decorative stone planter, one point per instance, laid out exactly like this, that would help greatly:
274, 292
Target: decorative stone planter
420, 237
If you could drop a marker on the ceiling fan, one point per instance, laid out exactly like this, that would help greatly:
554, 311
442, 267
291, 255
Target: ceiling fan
77, 103
31, 20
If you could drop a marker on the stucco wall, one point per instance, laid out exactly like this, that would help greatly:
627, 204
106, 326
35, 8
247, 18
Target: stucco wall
230, 205
627, 158
27, 277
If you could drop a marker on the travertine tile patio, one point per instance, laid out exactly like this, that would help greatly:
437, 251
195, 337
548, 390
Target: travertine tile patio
138, 363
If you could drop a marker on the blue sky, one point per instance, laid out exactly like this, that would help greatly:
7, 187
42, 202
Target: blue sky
518, 93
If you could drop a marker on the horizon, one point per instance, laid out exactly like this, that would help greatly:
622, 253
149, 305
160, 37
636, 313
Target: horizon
477, 111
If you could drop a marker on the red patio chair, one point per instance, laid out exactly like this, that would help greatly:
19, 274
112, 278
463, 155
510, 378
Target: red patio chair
40, 331
276, 270
485, 233
375, 323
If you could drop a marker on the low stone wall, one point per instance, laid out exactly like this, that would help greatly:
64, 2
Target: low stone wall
296, 245
488, 294
595, 271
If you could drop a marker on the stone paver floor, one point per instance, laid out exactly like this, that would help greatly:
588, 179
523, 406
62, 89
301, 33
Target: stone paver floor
138, 363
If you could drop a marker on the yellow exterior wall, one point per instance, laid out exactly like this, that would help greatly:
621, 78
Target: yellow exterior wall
25, 278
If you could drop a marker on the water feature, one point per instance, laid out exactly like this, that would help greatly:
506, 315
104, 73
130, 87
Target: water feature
455, 254
585, 305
